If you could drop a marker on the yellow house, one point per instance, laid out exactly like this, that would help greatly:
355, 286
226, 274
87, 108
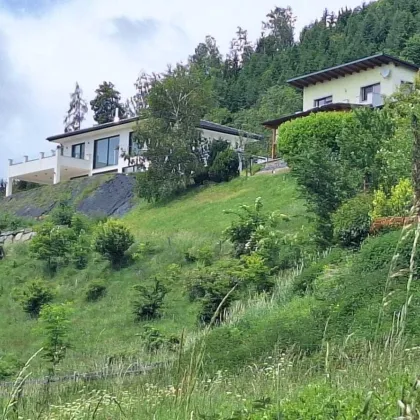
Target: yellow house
364, 82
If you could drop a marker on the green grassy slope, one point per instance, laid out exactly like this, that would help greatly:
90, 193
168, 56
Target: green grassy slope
200, 215
106, 328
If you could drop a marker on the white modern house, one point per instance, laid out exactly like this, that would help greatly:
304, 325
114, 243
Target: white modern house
100, 149
364, 82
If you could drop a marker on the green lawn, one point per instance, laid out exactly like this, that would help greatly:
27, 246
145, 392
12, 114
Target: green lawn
106, 328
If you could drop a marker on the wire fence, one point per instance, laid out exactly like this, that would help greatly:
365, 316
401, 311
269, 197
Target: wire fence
132, 370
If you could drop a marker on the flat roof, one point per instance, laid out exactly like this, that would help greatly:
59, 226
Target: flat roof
341, 106
205, 125
349, 68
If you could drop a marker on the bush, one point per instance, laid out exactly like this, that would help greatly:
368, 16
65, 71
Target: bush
112, 239
303, 283
260, 331
397, 203
33, 296
95, 290
80, 223
210, 285
53, 244
62, 214
12, 222
216, 148
154, 340
352, 221
149, 303
225, 166
9, 366
203, 255
80, 251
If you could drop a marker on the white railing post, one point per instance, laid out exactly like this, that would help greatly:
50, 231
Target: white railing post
10, 162
25, 158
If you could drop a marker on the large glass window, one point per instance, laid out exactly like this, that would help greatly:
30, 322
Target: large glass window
78, 151
106, 152
134, 148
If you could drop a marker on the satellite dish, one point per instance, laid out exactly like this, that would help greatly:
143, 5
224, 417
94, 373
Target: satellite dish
385, 73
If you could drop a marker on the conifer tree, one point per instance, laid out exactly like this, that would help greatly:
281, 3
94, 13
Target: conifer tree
106, 102
77, 111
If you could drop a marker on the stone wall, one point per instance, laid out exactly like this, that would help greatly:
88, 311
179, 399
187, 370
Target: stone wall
22, 235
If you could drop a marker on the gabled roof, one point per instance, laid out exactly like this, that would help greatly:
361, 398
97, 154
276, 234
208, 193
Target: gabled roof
340, 106
349, 68
204, 125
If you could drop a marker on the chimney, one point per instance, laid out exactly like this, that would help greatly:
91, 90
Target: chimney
117, 115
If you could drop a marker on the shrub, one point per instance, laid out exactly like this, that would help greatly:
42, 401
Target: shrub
149, 303
240, 232
303, 283
210, 285
225, 166
352, 221
11, 222
53, 244
80, 223
54, 327
62, 213
155, 340
216, 148
203, 255
9, 366
255, 273
112, 239
397, 203
33, 296
80, 251
95, 290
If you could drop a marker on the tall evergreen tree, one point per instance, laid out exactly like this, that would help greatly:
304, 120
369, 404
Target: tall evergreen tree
106, 102
77, 111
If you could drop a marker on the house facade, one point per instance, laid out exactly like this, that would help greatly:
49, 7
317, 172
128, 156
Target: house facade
364, 82
100, 149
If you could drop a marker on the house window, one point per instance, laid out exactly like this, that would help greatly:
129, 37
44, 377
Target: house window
106, 152
134, 148
78, 151
367, 90
323, 101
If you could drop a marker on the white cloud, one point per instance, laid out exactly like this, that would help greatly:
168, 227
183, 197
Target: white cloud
41, 57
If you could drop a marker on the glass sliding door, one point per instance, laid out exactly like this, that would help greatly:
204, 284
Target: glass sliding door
106, 152
113, 150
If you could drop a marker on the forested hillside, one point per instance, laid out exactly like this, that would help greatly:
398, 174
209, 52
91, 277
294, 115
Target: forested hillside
249, 84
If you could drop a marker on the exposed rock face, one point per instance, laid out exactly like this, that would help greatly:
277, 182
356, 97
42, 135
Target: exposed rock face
22, 235
113, 197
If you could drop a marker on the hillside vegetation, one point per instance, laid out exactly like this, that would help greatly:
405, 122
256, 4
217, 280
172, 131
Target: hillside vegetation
107, 328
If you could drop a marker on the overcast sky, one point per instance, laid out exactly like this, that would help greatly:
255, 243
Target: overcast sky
46, 45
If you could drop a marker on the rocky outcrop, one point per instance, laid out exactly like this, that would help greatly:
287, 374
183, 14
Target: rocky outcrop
99, 195
22, 235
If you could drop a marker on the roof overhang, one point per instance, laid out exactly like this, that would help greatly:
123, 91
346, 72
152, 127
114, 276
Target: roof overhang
204, 125
274, 124
349, 68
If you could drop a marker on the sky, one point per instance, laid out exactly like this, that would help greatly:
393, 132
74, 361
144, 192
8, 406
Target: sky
48, 45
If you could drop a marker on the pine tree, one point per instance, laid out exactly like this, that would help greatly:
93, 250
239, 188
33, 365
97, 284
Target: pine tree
106, 102
77, 111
